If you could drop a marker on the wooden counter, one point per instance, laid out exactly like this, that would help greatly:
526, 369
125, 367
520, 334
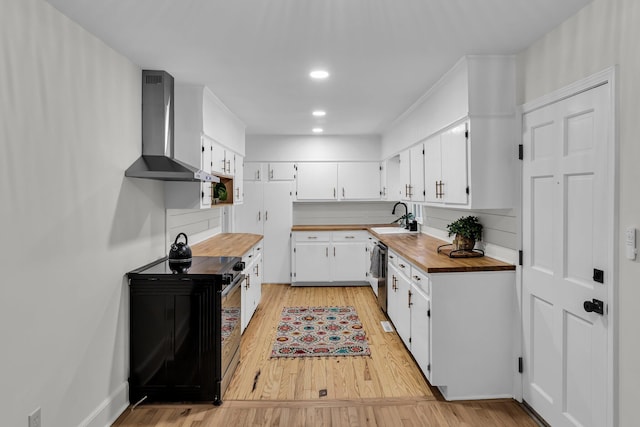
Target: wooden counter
422, 250
226, 244
419, 249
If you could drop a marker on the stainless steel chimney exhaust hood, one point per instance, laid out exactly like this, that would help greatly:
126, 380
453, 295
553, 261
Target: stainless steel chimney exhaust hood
157, 160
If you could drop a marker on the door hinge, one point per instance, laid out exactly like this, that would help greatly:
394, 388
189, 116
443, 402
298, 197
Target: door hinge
380, 167
424, 192
466, 134
295, 167
423, 151
467, 189
290, 235
520, 257
520, 152
428, 313
520, 368
429, 367
409, 340
294, 250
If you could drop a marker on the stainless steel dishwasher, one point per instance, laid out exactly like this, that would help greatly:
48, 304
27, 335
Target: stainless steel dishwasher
382, 276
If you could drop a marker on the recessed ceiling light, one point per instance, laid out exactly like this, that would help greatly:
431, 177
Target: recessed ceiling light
317, 130
319, 74
319, 113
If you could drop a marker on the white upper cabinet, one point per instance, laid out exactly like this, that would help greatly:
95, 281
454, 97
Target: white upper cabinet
338, 181
238, 181
317, 181
282, 171
359, 181
199, 112
446, 166
479, 92
417, 173
412, 174
253, 171
390, 179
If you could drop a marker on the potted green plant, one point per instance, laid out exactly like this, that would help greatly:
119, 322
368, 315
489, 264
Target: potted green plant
467, 230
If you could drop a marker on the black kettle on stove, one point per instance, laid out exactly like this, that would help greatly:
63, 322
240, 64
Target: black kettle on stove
180, 253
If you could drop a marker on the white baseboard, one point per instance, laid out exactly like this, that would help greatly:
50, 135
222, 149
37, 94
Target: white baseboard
110, 409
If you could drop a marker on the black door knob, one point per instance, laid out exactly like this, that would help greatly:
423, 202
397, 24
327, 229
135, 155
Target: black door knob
594, 306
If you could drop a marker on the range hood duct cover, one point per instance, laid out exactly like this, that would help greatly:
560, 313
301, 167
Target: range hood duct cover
157, 161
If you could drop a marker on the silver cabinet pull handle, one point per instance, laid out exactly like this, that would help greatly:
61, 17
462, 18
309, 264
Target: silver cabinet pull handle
312, 237
343, 192
266, 215
258, 174
259, 215
271, 174
350, 237
334, 192
334, 251
326, 252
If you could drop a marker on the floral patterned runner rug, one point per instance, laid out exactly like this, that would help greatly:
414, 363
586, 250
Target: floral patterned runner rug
320, 331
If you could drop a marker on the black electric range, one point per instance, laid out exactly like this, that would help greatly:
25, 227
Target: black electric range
184, 329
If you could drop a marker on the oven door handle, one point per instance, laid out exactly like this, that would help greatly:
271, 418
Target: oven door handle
226, 291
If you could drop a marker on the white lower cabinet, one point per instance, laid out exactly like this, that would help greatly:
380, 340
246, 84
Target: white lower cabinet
398, 309
252, 286
329, 257
458, 327
421, 329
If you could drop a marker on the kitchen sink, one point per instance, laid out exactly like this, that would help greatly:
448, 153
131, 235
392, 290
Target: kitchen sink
392, 230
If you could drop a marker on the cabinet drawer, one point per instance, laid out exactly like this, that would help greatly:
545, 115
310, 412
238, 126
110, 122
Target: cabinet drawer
312, 236
393, 258
420, 279
350, 236
404, 266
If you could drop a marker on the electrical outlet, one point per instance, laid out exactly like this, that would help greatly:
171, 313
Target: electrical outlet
35, 419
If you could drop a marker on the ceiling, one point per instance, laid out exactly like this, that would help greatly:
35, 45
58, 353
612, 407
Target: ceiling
255, 55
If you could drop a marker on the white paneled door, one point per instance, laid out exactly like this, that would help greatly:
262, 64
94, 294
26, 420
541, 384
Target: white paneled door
566, 269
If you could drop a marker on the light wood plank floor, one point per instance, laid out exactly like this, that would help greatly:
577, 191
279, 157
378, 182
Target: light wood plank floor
386, 389
389, 372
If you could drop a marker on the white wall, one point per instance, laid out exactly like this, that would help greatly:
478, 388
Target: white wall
72, 224
603, 34
273, 148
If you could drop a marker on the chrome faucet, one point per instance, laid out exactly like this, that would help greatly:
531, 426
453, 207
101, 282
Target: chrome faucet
404, 217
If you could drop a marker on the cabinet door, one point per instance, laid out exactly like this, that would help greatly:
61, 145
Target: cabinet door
205, 195
253, 171
245, 296
432, 169
238, 180
359, 181
278, 219
207, 150
250, 215
398, 303
312, 262
218, 160
258, 274
390, 179
349, 261
405, 175
417, 173
317, 181
284, 171
421, 330
453, 145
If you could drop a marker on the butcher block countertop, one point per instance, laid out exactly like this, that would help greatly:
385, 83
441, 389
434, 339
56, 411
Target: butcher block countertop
226, 244
421, 250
